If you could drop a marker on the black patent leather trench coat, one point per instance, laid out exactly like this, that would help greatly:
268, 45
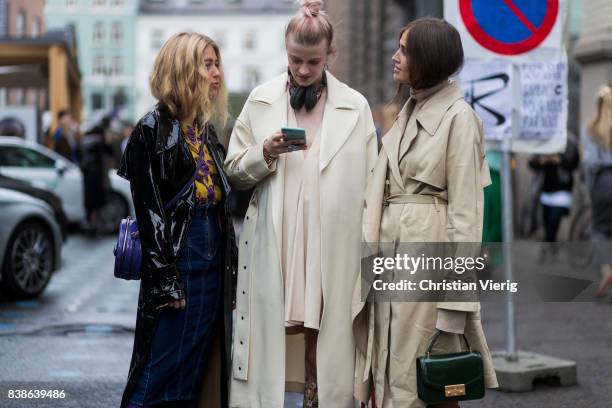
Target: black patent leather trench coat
158, 164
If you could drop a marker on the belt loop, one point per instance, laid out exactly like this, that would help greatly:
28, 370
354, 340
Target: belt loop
436, 203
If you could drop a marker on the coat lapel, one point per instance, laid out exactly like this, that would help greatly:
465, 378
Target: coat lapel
391, 142
339, 119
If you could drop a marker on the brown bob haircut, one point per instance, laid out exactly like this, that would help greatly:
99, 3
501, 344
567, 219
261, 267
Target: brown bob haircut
434, 52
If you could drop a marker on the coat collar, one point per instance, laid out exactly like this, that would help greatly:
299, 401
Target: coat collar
339, 119
337, 96
168, 131
434, 108
429, 116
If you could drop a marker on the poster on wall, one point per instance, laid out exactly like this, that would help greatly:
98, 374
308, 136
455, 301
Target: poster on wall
487, 87
19, 121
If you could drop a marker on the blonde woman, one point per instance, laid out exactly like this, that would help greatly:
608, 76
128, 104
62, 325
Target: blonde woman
174, 163
300, 246
598, 165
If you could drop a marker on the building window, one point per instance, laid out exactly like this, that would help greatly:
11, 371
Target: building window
157, 39
99, 34
251, 77
97, 101
219, 37
21, 24
19, 95
249, 40
98, 65
117, 34
36, 27
116, 66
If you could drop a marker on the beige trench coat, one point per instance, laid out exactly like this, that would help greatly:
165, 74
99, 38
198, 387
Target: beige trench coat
348, 152
443, 154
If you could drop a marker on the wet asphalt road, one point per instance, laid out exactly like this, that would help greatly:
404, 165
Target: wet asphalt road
77, 338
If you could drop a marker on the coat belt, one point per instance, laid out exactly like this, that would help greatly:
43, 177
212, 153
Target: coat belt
413, 199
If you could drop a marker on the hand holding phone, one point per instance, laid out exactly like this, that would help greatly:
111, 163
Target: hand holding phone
284, 142
294, 135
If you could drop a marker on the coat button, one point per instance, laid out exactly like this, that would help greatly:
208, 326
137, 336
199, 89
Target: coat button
239, 368
241, 317
246, 242
243, 292
244, 266
247, 217
241, 342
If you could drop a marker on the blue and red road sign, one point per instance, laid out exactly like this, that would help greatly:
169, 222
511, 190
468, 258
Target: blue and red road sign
509, 27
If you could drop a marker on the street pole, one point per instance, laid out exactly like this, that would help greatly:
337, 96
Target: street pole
507, 212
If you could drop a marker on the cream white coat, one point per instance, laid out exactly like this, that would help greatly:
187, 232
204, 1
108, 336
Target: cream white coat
347, 156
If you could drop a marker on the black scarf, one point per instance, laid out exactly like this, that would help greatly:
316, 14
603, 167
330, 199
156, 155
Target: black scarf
305, 96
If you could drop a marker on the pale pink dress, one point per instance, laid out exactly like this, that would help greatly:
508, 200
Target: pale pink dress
301, 245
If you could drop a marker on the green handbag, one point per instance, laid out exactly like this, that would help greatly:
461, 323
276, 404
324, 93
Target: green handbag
444, 378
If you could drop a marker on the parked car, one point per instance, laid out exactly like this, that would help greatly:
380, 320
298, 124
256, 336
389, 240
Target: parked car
47, 196
30, 244
43, 168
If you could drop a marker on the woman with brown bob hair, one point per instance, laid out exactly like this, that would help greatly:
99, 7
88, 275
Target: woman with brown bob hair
427, 186
174, 163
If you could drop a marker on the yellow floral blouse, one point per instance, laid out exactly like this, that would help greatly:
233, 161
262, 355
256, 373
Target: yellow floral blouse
207, 187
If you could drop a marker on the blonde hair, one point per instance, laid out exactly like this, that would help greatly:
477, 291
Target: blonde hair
311, 25
600, 127
179, 79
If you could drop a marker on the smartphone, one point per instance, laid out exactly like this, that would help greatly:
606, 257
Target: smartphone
294, 134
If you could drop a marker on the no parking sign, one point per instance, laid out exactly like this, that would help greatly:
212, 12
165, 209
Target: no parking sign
520, 29
527, 36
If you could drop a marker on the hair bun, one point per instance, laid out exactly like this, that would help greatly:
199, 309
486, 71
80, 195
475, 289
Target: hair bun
605, 90
312, 8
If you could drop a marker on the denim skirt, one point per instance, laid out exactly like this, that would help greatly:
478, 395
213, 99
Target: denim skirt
181, 345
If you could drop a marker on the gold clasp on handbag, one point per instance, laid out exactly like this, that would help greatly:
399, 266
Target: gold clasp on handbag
456, 390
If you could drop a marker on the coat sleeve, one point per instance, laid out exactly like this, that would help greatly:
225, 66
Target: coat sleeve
464, 162
465, 179
153, 227
245, 165
363, 381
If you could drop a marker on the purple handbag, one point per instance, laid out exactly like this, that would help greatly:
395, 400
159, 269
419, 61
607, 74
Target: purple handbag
128, 249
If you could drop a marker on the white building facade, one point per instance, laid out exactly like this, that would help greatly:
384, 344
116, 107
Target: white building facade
250, 34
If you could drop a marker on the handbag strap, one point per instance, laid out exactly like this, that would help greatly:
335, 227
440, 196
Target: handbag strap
192, 180
435, 338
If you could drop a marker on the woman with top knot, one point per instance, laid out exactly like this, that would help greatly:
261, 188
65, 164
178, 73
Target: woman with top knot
300, 246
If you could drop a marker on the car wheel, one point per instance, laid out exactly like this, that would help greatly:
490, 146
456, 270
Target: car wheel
29, 260
115, 209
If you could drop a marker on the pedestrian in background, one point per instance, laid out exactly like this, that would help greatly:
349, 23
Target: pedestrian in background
597, 151
93, 151
301, 241
126, 132
557, 175
427, 186
174, 163
63, 139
